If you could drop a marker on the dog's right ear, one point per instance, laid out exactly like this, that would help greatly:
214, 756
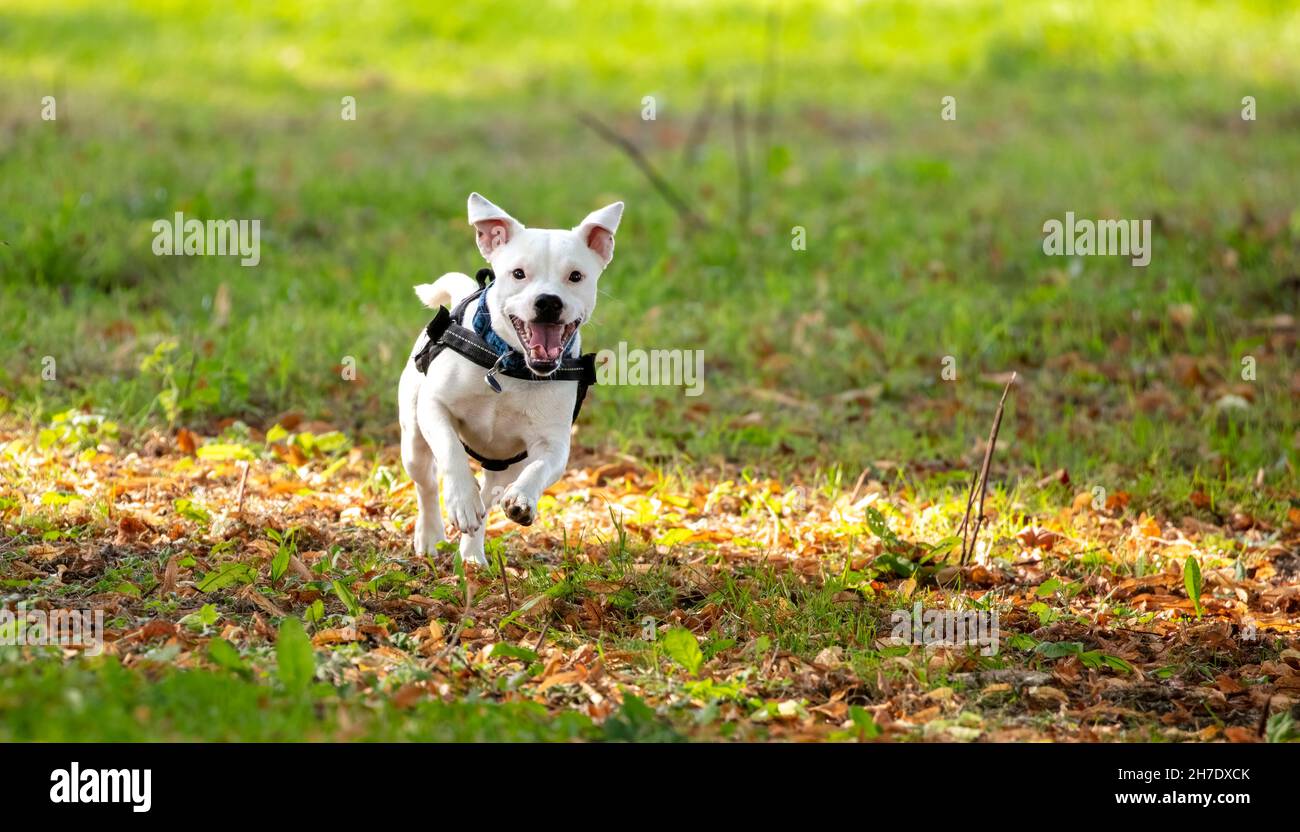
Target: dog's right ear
493, 227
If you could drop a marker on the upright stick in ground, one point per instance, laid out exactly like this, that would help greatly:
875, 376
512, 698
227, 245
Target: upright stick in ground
981, 482
505, 581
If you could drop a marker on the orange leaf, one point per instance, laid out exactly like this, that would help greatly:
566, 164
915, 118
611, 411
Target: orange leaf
1227, 684
1148, 526
1236, 733
568, 677
186, 441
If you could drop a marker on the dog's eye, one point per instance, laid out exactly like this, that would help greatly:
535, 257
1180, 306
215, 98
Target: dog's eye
575, 277
517, 274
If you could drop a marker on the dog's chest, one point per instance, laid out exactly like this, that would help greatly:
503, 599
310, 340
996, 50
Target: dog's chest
503, 423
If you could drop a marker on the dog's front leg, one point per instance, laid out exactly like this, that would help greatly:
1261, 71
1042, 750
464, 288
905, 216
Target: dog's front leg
549, 457
464, 506
494, 486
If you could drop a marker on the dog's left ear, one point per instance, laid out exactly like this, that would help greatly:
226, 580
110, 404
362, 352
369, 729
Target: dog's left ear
597, 230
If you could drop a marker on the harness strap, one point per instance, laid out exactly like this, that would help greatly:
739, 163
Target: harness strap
446, 331
432, 347
495, 464
585, 380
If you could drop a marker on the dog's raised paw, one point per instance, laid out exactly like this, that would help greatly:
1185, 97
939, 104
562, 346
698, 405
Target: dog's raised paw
518, 508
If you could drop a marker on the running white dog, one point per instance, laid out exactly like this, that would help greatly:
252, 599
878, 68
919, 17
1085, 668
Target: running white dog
501, 379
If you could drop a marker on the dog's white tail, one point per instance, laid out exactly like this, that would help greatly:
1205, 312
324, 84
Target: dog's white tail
448, 290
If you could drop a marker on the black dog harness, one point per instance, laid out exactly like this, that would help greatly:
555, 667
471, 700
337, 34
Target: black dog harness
447, 331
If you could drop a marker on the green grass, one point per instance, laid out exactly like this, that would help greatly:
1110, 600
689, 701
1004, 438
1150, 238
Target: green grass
923, 235
923, 242
102, 701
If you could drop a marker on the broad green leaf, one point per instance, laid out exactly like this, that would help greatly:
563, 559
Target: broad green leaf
1047, 587
1117, 663
295, 657
127, 588
231, 573
315, 612
863, 722
1022, 641
714, 646
349, 600
224, 654
191, 510
681, 647
328, 443
1091, 659
880, 527
1192, 581
280, 562
205, 617
944, 548
505, 650
1059, 649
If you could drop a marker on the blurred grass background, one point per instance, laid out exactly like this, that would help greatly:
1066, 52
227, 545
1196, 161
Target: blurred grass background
923, 235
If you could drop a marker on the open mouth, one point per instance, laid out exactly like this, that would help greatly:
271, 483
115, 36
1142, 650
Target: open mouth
543, 343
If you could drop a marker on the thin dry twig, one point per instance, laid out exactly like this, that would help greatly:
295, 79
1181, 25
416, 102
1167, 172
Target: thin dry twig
665, 189
970, 503
857, 486
505, 581
451, 643
243, 480
982, 479
541, 640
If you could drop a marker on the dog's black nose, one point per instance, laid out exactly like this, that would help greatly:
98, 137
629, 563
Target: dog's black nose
548, 308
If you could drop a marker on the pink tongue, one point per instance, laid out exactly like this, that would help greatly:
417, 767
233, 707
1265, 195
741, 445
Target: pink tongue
545, 341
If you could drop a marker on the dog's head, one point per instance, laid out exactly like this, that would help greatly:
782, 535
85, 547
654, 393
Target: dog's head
545, 278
